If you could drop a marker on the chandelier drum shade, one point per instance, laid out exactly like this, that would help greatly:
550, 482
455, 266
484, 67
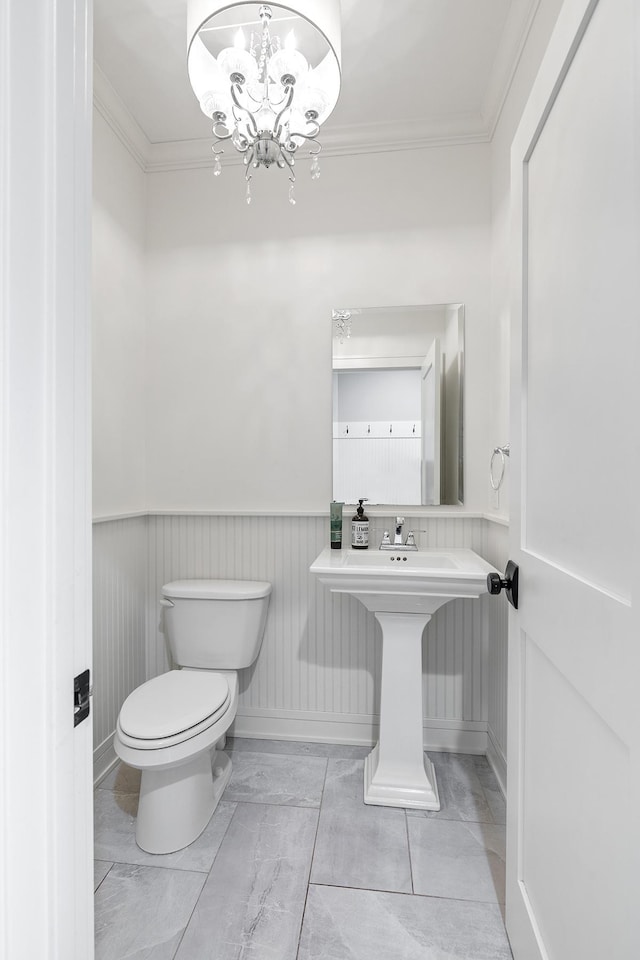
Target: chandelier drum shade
267, 76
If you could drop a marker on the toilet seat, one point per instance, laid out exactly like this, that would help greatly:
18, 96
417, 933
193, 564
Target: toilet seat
173, 708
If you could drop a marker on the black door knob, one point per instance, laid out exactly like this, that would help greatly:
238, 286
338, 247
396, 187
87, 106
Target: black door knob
508, 583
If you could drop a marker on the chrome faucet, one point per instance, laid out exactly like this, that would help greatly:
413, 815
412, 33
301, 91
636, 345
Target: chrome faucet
398, 537
398, 545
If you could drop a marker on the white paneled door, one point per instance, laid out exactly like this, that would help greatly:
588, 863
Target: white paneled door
574, 669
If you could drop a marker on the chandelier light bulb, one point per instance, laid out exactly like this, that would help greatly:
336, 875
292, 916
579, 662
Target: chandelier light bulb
217, 106
239, 41
288, 67
290, 42
312, 103
238, 65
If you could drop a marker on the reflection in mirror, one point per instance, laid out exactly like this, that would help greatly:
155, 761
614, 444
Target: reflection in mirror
398, 378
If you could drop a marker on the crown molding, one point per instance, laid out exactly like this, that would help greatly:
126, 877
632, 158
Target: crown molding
459, 130
338, 141
515, 34
112, 109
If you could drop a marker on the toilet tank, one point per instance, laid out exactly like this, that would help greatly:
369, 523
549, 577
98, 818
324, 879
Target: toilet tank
215, 624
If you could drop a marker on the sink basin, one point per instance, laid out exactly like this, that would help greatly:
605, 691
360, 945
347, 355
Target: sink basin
417, 582
403, 590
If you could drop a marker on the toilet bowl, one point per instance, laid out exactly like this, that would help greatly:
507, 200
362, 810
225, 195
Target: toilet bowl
172, 727
181, 783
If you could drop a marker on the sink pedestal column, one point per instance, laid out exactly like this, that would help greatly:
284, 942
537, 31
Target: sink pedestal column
397, 773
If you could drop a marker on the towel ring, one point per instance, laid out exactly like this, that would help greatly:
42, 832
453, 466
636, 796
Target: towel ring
503, 453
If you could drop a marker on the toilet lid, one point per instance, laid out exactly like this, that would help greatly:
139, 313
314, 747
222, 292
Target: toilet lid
172, 703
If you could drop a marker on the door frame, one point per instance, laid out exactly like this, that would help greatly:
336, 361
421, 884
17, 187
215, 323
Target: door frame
46, 872
432, 363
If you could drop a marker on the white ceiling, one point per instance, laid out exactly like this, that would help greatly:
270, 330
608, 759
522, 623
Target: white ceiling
413, 70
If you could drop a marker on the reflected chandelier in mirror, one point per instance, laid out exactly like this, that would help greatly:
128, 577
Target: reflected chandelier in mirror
398, 404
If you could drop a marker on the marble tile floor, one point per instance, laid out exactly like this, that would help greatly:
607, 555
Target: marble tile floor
294, 866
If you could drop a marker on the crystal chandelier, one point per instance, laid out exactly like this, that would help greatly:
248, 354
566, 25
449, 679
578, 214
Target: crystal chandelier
267, 75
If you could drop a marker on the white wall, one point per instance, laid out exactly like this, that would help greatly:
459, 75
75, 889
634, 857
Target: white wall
118, 326
501, 292
240, 303
378, 395
119, 431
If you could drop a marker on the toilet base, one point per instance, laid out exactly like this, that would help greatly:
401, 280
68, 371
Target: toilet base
177, 803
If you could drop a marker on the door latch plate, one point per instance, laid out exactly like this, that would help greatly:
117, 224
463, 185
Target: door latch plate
81, 697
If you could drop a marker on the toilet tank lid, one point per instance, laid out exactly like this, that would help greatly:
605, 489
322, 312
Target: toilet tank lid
216, 589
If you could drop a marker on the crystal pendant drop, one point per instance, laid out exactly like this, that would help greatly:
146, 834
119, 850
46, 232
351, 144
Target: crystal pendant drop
217, 167
315, 168
292, 199
248, 193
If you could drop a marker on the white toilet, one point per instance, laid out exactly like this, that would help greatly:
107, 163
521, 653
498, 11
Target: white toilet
168, 726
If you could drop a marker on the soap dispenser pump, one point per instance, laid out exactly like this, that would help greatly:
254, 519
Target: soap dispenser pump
360, 528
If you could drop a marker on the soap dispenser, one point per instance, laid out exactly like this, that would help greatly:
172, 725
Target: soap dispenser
360, 528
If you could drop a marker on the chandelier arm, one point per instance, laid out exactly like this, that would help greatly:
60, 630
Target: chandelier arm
243, 147
244, 109
222, 136
285, 108
308, 136
251, 96
293, 147
289, 163
276, 103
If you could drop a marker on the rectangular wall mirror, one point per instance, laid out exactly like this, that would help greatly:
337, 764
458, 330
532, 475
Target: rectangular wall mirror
398, 404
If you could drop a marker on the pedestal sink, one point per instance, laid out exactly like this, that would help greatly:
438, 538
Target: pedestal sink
403, 590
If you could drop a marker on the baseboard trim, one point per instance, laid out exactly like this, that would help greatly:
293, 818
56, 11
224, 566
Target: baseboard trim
104, 760
497, 761
455, 736
445, 736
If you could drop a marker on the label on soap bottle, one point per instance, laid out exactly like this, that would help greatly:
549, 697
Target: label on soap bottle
360, 533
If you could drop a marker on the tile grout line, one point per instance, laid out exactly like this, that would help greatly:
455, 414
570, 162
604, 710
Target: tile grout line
313, 853
406, 827
274, 803
399, 893
204, 883
105, 876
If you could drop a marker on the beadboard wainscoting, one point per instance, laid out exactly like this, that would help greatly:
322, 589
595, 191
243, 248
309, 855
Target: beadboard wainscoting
120, 567
318, 673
